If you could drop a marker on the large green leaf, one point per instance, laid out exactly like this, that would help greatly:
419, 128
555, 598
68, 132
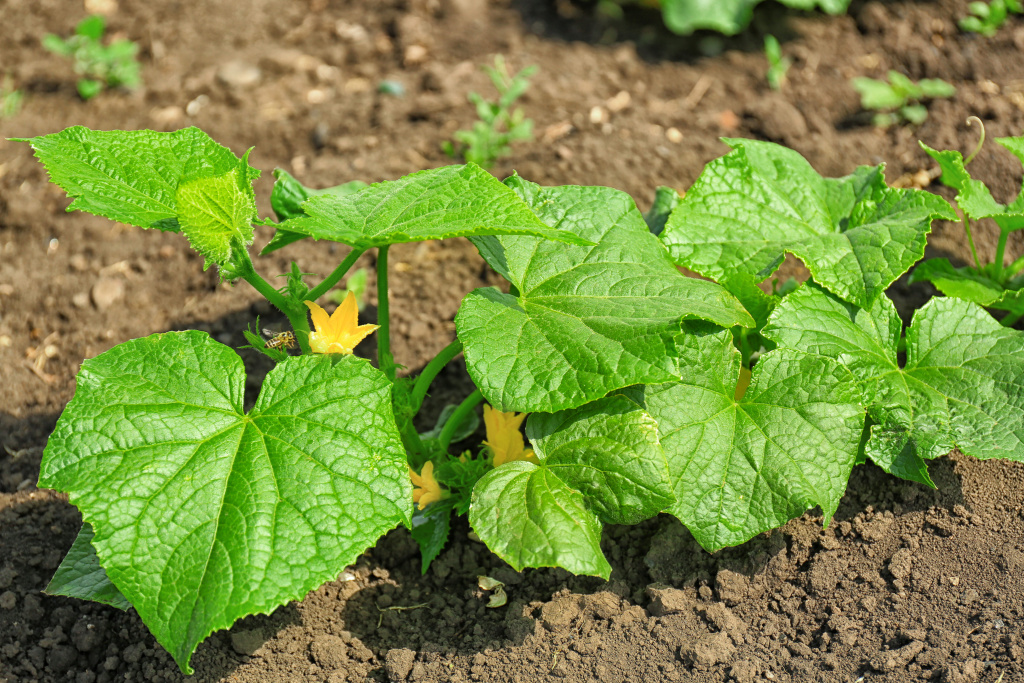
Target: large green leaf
203, 513
973, 197
962, 385
601, 463
747, 465
452, 201
582, 321
133, 176
760, 201
81, 576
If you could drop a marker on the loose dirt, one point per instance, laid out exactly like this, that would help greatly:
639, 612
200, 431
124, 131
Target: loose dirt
906, 584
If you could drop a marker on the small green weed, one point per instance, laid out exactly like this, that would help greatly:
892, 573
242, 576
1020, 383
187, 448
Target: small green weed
10, 98
499, 124
100, 65
778, 64
987, 18
900, 99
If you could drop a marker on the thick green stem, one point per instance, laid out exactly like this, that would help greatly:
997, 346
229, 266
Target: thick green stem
411, 440
335, 276
1000, 253
464, 409
296, 317
970, 241
422, 386
1016, 267
1010, 319
385, 360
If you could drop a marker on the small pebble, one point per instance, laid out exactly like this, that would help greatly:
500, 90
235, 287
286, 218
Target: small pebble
239, 74
106, 292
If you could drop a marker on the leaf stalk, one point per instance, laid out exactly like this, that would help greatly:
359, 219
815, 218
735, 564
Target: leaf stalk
335, 276
385, 360
464, 409
423, 382
297, 317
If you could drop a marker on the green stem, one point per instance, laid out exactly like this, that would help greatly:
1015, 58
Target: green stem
970, 241
464, 409
419, 390
297, 318
385, 360
1010, 319
411, 440
1000, 252
335, 276
1016, 267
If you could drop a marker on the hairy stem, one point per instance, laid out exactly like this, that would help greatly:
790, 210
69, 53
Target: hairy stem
1016, 267
419, 390
1000, 253
385, 360
411, 440
335, 276
296, 317
464, 409
970, 241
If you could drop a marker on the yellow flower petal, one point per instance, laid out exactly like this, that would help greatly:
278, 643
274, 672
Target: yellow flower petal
340, 332
427, 489
504, 438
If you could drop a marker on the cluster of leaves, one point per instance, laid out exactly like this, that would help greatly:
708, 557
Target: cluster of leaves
100, 65
988, 17
647, 391
899, 98
778, 64
499, 125
729, 16
993, 285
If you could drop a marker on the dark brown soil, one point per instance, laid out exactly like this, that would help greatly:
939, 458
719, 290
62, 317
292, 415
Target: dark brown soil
907, 584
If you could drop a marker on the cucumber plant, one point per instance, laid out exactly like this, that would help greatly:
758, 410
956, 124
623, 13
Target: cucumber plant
641, 390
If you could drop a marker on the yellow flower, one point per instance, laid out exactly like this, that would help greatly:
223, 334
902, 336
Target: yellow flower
504, 437
427, 489
340, 332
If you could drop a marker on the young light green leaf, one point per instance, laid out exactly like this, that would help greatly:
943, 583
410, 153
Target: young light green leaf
132, 176
585, 320
761, 200
204, 514
600, 463
452, 201
744, 466
216, 213
81, 576
962, 385
972, 196
286, 200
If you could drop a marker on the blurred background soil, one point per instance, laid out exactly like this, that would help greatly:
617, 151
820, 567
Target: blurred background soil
907, 583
